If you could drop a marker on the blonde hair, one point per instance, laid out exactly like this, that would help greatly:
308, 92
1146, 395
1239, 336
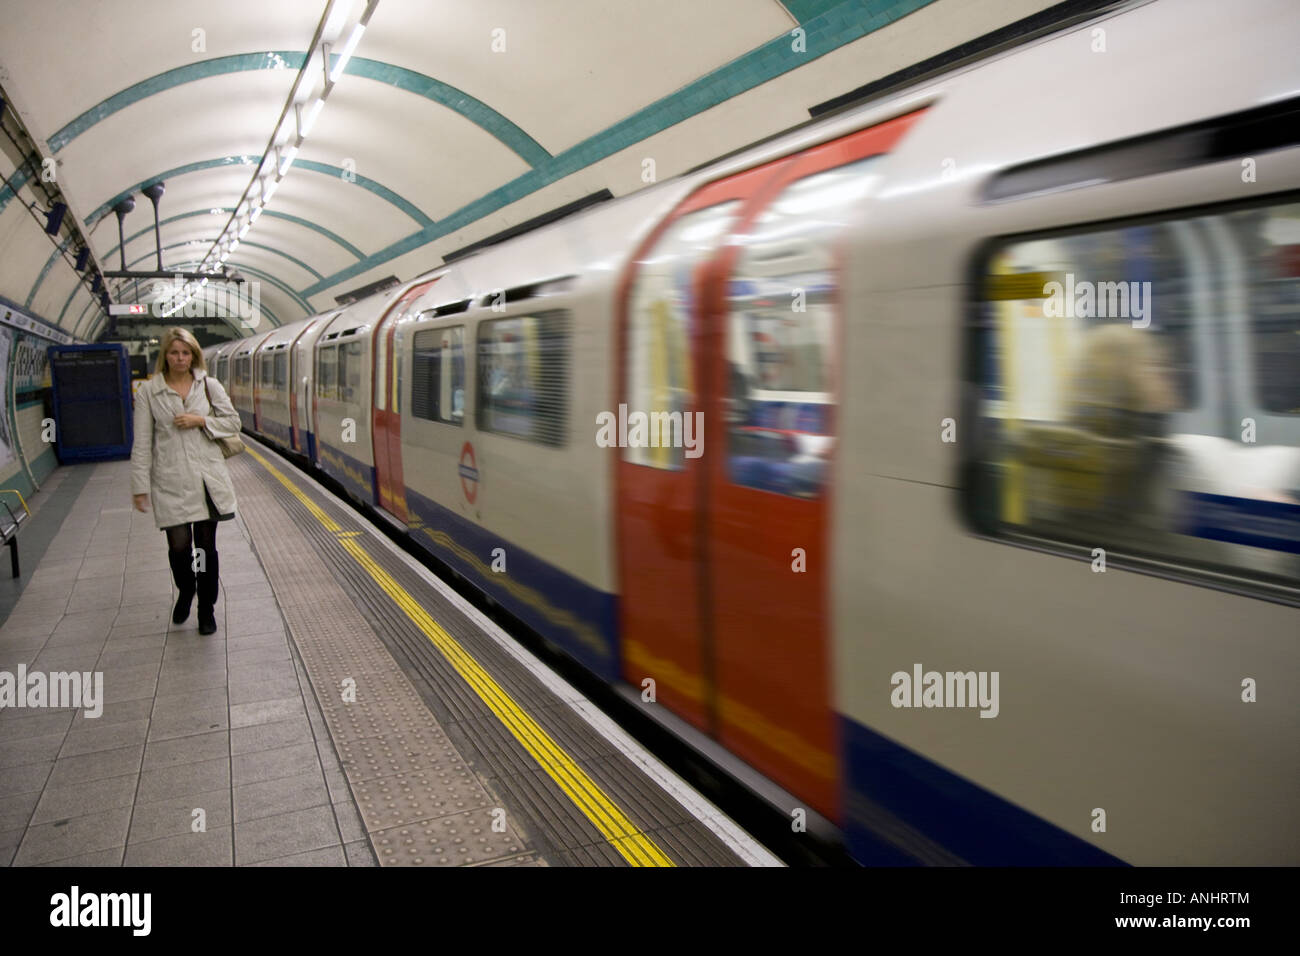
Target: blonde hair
188, 338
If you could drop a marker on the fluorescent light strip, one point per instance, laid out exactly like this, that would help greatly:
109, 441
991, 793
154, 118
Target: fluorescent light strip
346, 53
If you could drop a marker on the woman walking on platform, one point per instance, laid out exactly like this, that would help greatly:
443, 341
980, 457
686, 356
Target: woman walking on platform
179, 414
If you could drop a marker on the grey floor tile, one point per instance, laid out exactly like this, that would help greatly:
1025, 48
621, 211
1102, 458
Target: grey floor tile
17, 724
16, 809
192, 682
95, 737
184, 778
114, 656
117, 712
192, 749
109, 857
183, 723
281, 795
24, 779
126, 641
326, 856
252, 690
117, 691
81, 799
271, 764
165, 704
241, 660
96, 766
60, 841
285, 835
266, 711
15, 753
282, 733
175, 815
211, 848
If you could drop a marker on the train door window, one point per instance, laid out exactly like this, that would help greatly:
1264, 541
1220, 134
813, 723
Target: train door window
1137, 391
350, 371
659, 373
438, 370
281, 369
268, 370
327, 370
523, 376
780, 336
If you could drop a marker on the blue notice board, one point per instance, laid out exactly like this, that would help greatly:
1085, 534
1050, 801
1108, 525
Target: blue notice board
92, 402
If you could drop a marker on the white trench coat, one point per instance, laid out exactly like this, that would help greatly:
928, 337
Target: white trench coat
173, 465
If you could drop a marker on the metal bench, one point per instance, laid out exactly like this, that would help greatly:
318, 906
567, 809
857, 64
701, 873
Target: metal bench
10, 523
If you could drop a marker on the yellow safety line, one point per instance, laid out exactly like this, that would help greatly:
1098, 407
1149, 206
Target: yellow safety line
637, 848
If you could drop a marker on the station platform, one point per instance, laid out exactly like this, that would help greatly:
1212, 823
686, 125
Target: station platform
350, 710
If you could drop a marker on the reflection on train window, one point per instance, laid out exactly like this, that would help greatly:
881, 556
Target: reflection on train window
523, 375
1140, 390
780, 336
438, 369
658, 328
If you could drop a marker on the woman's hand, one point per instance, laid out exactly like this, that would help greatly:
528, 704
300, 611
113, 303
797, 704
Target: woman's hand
141, 502
189, 421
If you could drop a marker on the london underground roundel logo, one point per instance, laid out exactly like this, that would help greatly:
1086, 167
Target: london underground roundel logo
468, 473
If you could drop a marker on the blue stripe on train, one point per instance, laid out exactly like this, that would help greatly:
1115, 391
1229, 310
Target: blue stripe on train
579, 618
275, 430
885, 783
356, 476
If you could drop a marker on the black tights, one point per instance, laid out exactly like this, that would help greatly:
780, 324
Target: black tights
179, 541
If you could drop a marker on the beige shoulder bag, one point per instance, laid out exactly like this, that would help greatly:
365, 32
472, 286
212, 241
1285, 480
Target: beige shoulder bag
229, 446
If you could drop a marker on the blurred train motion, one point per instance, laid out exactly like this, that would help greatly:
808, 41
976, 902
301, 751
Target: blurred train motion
998, 375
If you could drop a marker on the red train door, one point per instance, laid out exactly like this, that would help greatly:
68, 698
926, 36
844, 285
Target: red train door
387, 421
664, 625
723, 557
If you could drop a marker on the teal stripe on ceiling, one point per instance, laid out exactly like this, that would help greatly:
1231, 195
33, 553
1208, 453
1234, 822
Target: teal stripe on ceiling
18, 181
444, 94
844, 23
369, 185
55, 256
476, 111
238, 63
383, 192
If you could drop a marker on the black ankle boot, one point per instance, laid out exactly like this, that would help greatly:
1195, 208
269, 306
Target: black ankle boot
207, 588
183, 575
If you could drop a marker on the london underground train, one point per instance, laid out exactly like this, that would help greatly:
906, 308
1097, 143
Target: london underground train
940, 460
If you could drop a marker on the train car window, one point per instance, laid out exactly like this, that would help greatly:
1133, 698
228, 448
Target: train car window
780, 337
659, 377
281, 370
438, 370
1138, 391
268, 368
523, 377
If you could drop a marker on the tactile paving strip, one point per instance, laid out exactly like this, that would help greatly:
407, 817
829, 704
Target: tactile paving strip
501, 761
407, 777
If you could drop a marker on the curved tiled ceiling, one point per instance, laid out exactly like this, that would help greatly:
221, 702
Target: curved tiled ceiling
451, 122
